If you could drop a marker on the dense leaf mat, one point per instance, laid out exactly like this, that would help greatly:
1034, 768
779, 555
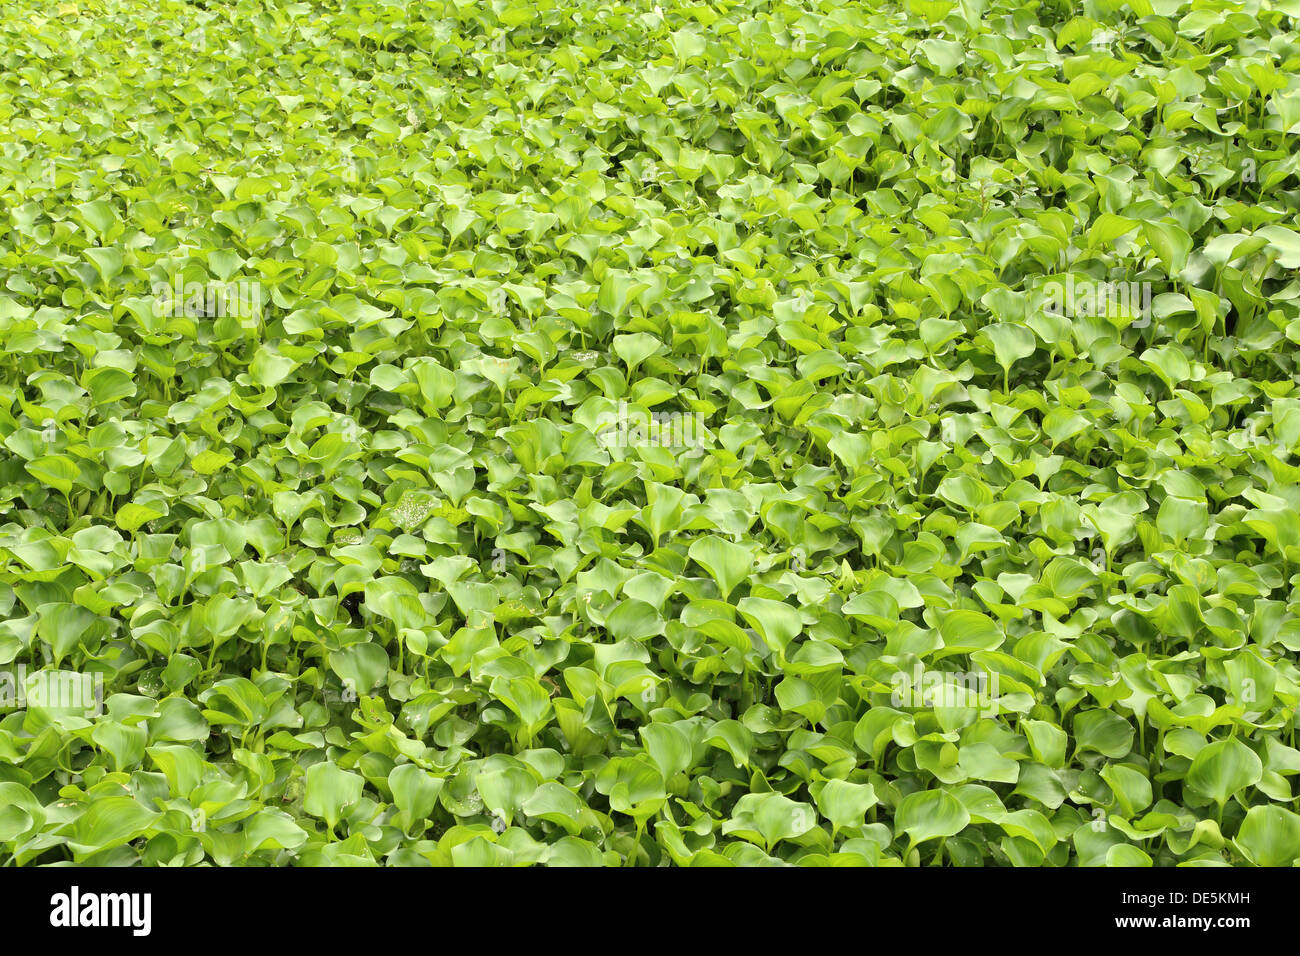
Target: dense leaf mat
971, 561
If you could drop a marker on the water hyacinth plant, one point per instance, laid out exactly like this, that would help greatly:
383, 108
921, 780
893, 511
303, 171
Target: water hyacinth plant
649, 433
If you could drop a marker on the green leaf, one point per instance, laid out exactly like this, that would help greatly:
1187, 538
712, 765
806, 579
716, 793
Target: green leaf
330, 792
1270, 836
1223, 768
729, 564
930, 815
